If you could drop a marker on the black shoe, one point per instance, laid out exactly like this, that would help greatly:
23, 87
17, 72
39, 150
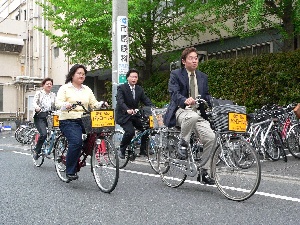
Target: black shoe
182, 149
142, 154
121, 154
206, 179
151, 152
72, 176
36, 156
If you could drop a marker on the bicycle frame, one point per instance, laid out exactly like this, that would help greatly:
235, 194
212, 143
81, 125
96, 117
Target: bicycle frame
256, 129
50, 140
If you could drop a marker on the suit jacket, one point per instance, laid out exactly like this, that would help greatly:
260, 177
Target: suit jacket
125, 101
179, 91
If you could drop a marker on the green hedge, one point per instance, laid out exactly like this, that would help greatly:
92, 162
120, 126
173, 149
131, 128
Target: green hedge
250, 81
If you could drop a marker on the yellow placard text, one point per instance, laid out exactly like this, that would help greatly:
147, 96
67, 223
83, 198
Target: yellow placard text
103, 118
237, 122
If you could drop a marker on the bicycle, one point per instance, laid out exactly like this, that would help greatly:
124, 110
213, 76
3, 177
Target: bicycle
48, 146
99, 126
130, 154
290, 130
265, 135
234, 163
24, 133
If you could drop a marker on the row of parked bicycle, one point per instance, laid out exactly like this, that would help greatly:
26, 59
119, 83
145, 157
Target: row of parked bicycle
235, 161
274, 131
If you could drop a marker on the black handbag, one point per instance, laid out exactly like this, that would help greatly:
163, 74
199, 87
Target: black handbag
40, 115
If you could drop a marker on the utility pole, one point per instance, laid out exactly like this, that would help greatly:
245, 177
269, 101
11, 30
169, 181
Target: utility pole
120, 45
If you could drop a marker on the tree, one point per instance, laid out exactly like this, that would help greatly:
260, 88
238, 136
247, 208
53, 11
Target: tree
85, 32
250, 16
82, 29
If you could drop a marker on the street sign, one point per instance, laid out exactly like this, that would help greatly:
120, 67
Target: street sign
123, 48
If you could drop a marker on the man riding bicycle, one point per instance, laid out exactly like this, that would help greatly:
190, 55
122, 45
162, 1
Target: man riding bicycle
184, 85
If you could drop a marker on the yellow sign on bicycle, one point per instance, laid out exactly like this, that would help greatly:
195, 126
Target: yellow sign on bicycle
103, 118
151, 121
237, 122
55, 121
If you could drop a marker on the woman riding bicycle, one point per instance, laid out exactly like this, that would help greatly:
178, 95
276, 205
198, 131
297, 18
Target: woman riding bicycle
43, 102
70, 122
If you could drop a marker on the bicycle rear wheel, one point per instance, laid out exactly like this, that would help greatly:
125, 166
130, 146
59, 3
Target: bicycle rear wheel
60, 154
293, 140
170, 168
236, 169
105, 172
40, 160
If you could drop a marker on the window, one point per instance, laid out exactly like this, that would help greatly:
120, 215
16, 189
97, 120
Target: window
249, 50
56, 52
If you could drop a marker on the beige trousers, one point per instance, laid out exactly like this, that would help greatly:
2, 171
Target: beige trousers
188, 120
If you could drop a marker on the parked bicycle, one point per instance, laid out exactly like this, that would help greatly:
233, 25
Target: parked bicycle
99, 126
25, 132
234, 166
48, 147
265, 134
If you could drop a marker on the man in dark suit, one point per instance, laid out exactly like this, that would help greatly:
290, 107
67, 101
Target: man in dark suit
184, 85
129, 95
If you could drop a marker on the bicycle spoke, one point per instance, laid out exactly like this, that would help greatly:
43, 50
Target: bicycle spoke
236, 169
105, 172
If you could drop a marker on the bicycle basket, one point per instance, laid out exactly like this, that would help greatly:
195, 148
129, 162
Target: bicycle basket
157, 118
52, 121
99, 121
220, 115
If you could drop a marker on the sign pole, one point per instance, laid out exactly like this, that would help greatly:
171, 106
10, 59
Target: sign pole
120, 45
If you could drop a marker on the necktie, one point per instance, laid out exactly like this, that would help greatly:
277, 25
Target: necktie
133, 93
192, 85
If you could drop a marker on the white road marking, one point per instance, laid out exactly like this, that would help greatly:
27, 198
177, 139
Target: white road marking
282, 197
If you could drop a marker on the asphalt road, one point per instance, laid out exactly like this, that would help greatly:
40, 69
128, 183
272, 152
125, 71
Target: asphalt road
31, 195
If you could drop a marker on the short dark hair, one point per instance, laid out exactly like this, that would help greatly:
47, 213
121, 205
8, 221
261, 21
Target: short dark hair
133, 70
45, 80
73, 71
185, 52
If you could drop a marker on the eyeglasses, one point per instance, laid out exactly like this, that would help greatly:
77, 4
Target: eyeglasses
80, 73
192, 58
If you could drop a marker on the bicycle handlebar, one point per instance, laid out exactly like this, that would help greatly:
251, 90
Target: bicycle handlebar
79, 103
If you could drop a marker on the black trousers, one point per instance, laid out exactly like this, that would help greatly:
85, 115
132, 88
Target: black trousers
129, 132
41, 125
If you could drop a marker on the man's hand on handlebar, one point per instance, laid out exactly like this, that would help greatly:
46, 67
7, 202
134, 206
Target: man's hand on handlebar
132, 111
190, 101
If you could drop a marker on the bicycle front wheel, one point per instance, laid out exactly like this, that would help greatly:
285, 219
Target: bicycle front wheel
105, 167
60, 155
40, 160
293, 141
152, 150
170, 168
236, 169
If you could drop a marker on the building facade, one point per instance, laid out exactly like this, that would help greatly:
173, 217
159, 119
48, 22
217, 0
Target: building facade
26, 57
